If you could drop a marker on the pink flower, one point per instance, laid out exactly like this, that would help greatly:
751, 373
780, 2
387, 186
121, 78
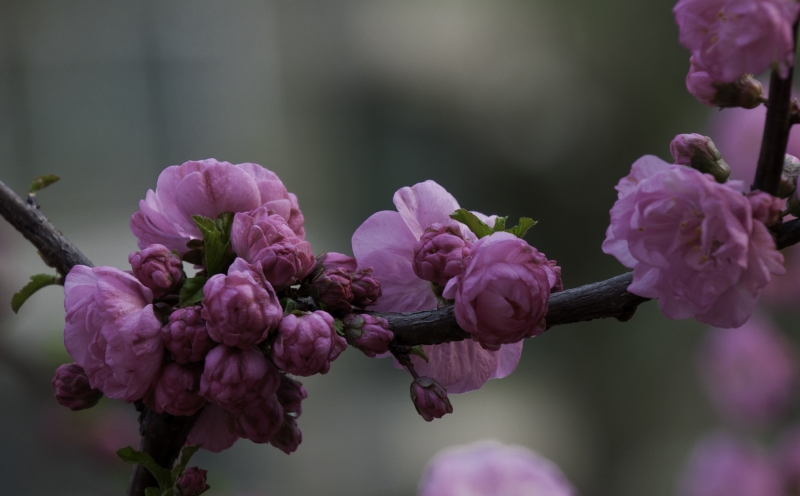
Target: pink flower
332, 260
288, 436
724, 466
750, 373
692, 243
492, 469
213, 430
430, 399
265, 237
111, 331
259, 421
766, 208
176, 391
157, 268
240, 309
192, 482
501, 298
186, 336
439, 253
208, 188
698, 152
72, 388
368, 333
745, 92
731, 38
236, 379
386, 243
306, 344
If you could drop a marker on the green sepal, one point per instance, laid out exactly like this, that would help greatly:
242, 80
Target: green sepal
500, 224
417, 350
224, 224
521, 229
339, 326
216, 241
41, 182
161, 474
477, 226
289, 305
186, 454
192, 291
36, 283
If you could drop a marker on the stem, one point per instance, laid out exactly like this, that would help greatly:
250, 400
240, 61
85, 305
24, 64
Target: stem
776, 131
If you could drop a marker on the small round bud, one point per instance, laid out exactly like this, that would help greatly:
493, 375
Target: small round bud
332, 289
157, 268
368, 333
192, 482
176, 391
366, 289
307, 343
186, 336
72, 388
288, 437
698, 152
260, 421
430, 398
439, 254
745, 92
791, 169
290, 394
235, 379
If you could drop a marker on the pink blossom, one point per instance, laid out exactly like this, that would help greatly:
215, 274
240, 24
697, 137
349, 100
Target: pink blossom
213, 430
332, 260
111, 331
176, 391
306, 344
157, 268
288, 436
385, 242
745, 92
501, 298
185, 335
430, 398
492, 469
208, 188
366, 288
259, 421
240, 309
72, 388
236, 379
368, 333
192, 482
750, 373
725, 466
767, 209
439, 253
265, 237
692, 243
332, 289
730, 38
698, 152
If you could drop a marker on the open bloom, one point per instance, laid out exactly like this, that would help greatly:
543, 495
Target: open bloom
111, 330
731, 38
492, 469
385, 242
692, 243
208, 188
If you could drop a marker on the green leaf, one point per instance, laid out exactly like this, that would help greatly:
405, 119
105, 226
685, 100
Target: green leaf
289, 305
41, 182
37, 282
477, 226
500, 224
521, 229
186, 454
162, 475
417, 350
216, 244
225, 223
339, 326
192, 291
205, 224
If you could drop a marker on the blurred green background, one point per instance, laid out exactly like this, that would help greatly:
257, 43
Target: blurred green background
517, 107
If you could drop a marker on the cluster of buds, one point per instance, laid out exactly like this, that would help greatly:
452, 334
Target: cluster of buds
338, 284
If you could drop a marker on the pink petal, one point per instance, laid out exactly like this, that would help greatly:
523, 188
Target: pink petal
212, 430
424, 204
215, 190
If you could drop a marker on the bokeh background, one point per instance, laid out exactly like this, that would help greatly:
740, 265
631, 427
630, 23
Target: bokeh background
532, 108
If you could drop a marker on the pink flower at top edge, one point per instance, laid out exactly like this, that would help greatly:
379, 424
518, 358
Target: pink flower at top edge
385, 242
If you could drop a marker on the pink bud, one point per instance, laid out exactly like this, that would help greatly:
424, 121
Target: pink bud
263, 236
239, 311
430, 398
766, 208
192, 482
288, 437
176, 391
368, 333
290, 394
186, 336
439, 253
306, 344
745, 92
72, 388
332, 289
366, 289
235, 379
698, 152
332, 260
259, 421
157, 268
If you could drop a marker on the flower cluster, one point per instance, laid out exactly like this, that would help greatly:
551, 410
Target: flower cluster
220, 344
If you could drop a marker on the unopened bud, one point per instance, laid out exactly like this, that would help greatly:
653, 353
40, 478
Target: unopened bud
192, 482
430, 398
72, 388
791, 169
698, 152
288, 437
368, 333
745, 92
766, 208
332, 289
366, 289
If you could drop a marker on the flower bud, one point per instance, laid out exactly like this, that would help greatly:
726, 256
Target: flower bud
239, 310
306, 344
290, 394
745, 92
235, 379
186, 336
368, 333
430, 398
176, 391
698, 152
366, 289
288, 437
332, 260
192, 482
766, 208
260, 421
157, 268
439, 254
332, 289
791, 169
72, 388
